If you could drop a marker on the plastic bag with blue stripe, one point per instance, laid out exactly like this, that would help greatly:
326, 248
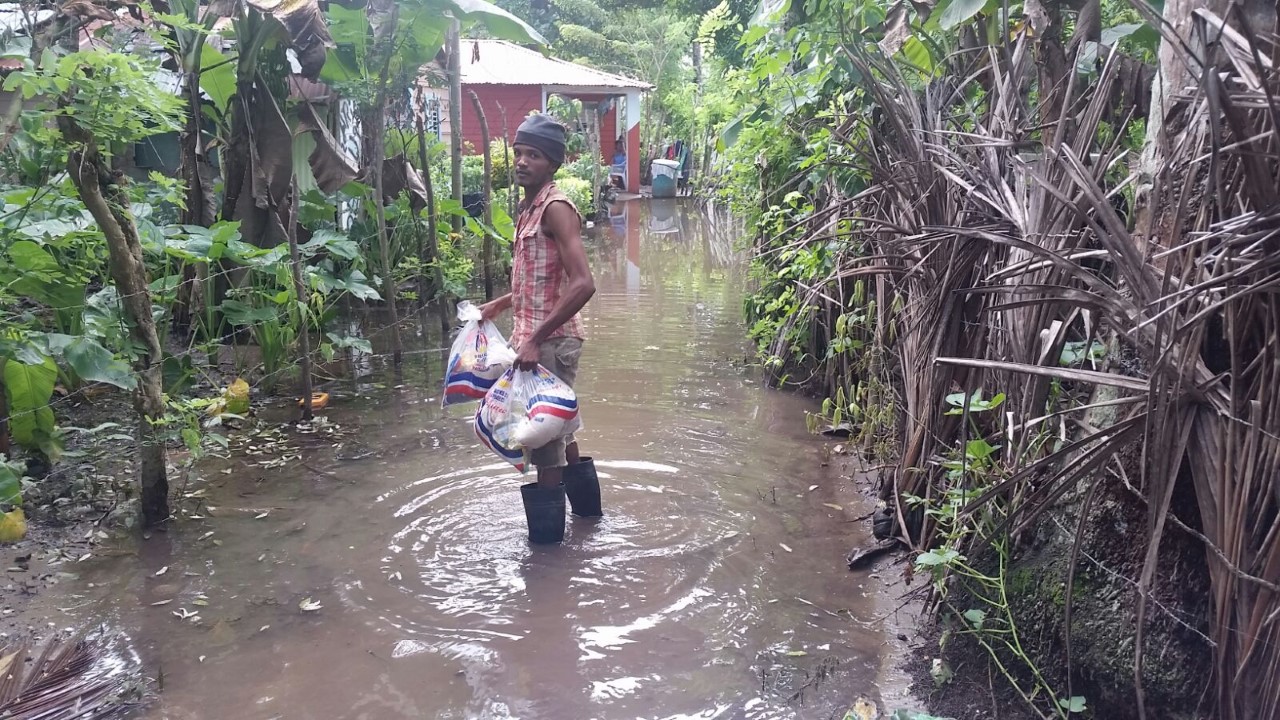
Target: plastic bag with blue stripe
477, 359
525, 410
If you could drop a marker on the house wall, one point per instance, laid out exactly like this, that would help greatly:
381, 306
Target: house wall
608, 134
517, 101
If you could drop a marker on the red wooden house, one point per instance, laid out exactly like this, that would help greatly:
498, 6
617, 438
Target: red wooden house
512, 81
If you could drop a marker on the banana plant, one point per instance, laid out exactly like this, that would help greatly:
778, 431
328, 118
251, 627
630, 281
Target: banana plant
385, 44
204, 72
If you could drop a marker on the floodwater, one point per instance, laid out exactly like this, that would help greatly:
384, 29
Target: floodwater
715, 586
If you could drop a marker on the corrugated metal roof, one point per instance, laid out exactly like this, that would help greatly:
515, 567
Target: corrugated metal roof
497, 62
13, 19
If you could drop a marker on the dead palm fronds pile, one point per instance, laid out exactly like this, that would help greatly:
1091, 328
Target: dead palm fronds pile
75, 678
1007, 237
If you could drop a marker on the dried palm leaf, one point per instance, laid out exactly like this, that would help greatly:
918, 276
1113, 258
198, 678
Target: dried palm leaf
69, 678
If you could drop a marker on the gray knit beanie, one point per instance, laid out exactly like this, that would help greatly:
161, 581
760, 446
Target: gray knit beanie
545, 134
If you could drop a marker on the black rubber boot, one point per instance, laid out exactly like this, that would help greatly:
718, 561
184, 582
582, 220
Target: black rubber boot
544, 511
582, 486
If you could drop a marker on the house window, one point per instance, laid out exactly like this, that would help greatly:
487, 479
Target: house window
431, 118
158, 152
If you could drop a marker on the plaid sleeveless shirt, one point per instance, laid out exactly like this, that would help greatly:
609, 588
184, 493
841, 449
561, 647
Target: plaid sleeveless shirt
537, 277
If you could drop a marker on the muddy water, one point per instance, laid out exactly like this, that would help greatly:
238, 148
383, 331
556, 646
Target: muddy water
713, 588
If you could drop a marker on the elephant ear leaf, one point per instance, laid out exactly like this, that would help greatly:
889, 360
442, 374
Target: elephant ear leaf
94, 363
28, 389
90, 361
10, 483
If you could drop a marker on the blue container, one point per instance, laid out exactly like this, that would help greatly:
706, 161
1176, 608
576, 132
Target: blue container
664, 187
665, 174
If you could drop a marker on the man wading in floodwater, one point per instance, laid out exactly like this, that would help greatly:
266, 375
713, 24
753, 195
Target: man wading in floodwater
550, 283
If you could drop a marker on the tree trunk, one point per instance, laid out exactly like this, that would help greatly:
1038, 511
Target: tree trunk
4, 414
703, 138
235, 165
200, 210
596, 151
378, 131
1164, 121
1045, 18
697, 72
488, 198
455, 117
109, 205
512, 194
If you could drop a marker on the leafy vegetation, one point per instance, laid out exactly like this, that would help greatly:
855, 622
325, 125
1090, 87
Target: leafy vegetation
131, 279
965, 195
1015, 274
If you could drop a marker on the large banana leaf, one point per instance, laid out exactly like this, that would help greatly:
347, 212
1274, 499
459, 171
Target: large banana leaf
332, 166
303, 22
500, 23
306, 27
421, 26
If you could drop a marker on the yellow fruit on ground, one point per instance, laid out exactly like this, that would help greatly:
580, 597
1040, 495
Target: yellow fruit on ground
13, 526
237, 395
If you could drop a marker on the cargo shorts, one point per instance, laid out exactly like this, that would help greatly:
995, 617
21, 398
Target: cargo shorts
560, 356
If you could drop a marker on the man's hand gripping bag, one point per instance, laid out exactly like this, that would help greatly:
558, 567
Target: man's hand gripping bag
525, 410
477, 359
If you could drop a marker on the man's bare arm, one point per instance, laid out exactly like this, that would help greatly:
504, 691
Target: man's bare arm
495, 307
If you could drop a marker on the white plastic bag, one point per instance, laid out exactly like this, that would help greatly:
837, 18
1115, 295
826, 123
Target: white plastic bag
525, 410
478, 358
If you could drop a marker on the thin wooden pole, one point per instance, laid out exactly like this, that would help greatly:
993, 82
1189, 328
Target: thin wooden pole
455, 116
488, 198
513, 194
376, 163
433, 222
596, 151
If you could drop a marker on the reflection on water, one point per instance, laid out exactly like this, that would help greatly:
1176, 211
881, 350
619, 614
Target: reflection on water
712, 588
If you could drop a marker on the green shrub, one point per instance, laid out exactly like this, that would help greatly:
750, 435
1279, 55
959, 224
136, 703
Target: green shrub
473, 169
501, 164
502, 197
583, 168
578, 190
473, 174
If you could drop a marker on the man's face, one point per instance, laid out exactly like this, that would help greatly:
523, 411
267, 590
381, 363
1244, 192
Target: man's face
533, 169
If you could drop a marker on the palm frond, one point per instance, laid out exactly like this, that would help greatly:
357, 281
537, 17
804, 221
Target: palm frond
81, 678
